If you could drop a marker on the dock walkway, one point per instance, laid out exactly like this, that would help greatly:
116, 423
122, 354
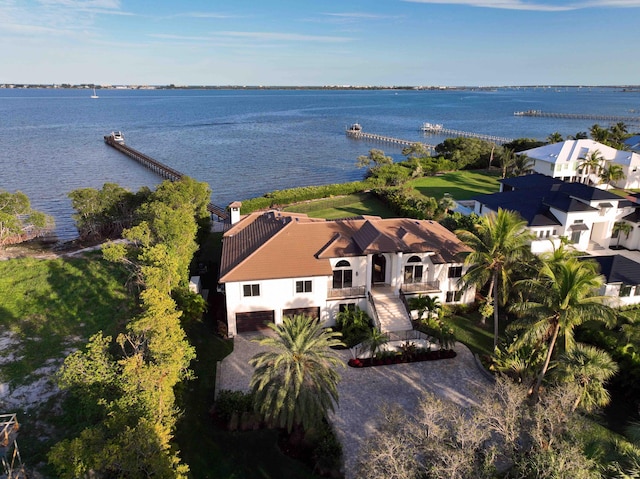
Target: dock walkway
160, 169
438, 129
577, 116
361, 135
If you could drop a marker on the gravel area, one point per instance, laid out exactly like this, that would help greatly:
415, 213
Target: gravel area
363, 390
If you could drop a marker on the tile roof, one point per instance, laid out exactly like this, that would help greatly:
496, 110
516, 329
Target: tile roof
618, 269
278, 245
533, 196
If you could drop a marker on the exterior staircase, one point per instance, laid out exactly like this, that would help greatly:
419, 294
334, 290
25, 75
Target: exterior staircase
392, 314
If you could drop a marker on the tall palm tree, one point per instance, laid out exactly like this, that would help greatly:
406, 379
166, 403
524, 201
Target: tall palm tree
612, 173
507, 161
591, 163
561, 298
621, 227
599, 134
589, 368
295, 381
500, 242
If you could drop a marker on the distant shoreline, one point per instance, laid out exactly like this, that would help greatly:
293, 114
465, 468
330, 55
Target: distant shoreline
87, 86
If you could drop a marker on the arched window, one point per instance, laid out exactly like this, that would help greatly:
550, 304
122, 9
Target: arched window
342, 277
413, 270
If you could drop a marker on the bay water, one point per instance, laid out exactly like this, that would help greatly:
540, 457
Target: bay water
245, 143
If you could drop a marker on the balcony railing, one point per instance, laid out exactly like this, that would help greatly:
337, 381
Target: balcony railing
352, 292
426, 287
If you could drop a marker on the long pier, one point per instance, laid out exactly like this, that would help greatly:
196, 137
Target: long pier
361, 135
160, 169
438, 129
577, 116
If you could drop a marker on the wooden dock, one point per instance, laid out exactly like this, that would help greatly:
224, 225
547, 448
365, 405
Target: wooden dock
361, 135
438, 129
577, 116
160, 169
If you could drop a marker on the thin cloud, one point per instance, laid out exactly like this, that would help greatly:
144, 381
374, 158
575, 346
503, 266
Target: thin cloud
285, 37
361, 15
533, 5
205, 15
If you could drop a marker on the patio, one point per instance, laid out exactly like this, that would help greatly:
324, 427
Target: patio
363, 390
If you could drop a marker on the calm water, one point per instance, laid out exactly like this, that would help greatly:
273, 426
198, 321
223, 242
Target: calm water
246, 143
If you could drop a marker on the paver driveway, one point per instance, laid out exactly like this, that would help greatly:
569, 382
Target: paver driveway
363, 390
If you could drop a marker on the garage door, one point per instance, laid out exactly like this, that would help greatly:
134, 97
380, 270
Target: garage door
310, 312
254, 321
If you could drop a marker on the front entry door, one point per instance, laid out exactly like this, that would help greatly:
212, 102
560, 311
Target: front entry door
378, 272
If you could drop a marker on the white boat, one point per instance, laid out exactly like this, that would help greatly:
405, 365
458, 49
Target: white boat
94, 94
117, 136
431, 127
355, 127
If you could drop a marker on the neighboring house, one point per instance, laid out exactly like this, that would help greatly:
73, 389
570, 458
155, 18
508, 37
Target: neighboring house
633, 143
564, 160
622, 278
582, 214
276, 264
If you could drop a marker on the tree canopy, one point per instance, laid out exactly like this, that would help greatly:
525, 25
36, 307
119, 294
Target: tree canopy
18, 221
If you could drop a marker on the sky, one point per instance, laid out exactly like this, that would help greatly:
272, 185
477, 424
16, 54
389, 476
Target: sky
320, 42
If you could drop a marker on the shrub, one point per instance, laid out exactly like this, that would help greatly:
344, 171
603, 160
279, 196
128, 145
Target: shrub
229, 402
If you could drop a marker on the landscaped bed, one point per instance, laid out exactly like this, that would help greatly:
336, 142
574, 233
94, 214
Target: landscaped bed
399, 358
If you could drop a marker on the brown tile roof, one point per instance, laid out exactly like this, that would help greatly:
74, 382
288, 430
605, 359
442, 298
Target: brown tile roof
281, 245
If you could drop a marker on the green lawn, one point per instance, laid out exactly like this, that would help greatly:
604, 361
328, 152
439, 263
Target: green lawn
54, 305
469, 331
461, 185
344, 207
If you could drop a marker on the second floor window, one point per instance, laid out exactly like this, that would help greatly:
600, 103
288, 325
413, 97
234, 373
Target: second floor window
342, 275
251, 290
303, 286
413, 270
455, 271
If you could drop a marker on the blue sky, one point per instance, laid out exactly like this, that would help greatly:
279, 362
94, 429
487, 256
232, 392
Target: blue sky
322, 42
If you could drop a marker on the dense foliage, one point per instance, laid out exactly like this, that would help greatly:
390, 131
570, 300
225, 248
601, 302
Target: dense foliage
18, 221
128, 382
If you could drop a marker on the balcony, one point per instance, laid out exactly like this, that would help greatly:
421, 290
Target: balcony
352, 292
426, 287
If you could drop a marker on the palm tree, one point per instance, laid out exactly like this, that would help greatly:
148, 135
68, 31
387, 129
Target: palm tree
591, 163
554, 137
562, 297
295, 381
375, 340
523, 164
507, 161
621, 227
612, 173
599, 134
424, 304
589, 368
500, 242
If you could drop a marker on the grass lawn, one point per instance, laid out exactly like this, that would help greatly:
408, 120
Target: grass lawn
344, 207
53, 305
461, 185
468, 330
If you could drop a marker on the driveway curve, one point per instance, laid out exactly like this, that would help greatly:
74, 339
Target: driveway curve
363, 390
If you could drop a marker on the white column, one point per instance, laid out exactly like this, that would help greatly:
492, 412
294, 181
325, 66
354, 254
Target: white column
396, 281
367, 280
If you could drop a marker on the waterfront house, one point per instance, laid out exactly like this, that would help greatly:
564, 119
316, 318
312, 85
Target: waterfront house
622, 278
564, 160
276, 264
553, 208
